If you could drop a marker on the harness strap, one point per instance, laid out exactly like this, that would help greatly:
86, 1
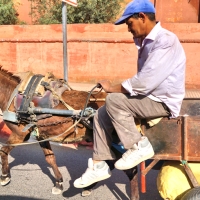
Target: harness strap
29, 92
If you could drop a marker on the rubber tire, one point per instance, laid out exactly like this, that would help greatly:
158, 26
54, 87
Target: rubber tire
193, 194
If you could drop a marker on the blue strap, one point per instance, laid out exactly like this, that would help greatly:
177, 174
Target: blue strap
119, 147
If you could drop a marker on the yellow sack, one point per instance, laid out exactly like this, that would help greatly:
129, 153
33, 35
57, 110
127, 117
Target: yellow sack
172, 179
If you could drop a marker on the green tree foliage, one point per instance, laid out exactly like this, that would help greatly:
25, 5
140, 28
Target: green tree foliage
87, 11
8, 13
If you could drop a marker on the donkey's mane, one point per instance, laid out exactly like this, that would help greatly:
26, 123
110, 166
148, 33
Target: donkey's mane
9, 75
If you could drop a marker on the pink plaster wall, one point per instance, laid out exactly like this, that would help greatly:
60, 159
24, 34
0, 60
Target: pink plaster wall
95, 52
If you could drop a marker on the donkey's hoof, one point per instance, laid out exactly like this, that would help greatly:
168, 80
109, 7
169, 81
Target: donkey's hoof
57, 189
5, 180
85, 193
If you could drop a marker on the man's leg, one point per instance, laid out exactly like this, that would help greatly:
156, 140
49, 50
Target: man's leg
122, 110
97, 167
119, 113
102, 134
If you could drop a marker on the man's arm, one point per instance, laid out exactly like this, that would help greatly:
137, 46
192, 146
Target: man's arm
164, 58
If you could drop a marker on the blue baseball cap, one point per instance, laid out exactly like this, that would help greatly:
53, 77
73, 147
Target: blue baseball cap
136, 6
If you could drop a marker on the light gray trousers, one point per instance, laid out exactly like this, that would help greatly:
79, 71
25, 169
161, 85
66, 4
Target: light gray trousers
118, 113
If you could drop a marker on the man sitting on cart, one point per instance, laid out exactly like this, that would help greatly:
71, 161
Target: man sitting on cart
157, 90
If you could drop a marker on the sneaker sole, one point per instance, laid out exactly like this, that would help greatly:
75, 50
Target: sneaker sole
91, 182
136, 163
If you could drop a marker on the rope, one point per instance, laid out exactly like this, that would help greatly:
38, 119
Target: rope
58, 97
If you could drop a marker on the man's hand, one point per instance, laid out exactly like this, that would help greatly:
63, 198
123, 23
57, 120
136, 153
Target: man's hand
106, 85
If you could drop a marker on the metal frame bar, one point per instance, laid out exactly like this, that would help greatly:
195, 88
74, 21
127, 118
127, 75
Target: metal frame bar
64, 28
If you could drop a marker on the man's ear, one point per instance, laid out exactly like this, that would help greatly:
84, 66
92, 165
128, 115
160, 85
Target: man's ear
142, 16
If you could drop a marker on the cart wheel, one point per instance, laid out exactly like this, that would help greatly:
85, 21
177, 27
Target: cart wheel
193, 194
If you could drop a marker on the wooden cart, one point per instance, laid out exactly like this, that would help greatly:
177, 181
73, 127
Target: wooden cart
175, 139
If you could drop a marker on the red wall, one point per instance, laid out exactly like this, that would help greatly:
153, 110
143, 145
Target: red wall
179, 11
23, 9
95, 52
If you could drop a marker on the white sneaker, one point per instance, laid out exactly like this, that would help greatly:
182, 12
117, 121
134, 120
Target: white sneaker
135, 155
94, 173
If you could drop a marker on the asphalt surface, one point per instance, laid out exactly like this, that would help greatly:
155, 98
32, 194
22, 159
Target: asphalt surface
32, 178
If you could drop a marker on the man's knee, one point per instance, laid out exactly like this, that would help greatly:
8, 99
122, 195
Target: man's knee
114, 99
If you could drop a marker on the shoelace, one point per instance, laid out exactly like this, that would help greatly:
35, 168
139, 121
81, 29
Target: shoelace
89, 174
127, 153
86, 174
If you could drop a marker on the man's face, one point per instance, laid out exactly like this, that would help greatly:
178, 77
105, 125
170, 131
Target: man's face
136, 27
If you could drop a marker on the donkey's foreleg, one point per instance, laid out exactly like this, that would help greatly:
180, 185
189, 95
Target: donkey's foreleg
51, 160
5, 176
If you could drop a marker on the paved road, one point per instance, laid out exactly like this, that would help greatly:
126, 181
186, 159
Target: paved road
33, 179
